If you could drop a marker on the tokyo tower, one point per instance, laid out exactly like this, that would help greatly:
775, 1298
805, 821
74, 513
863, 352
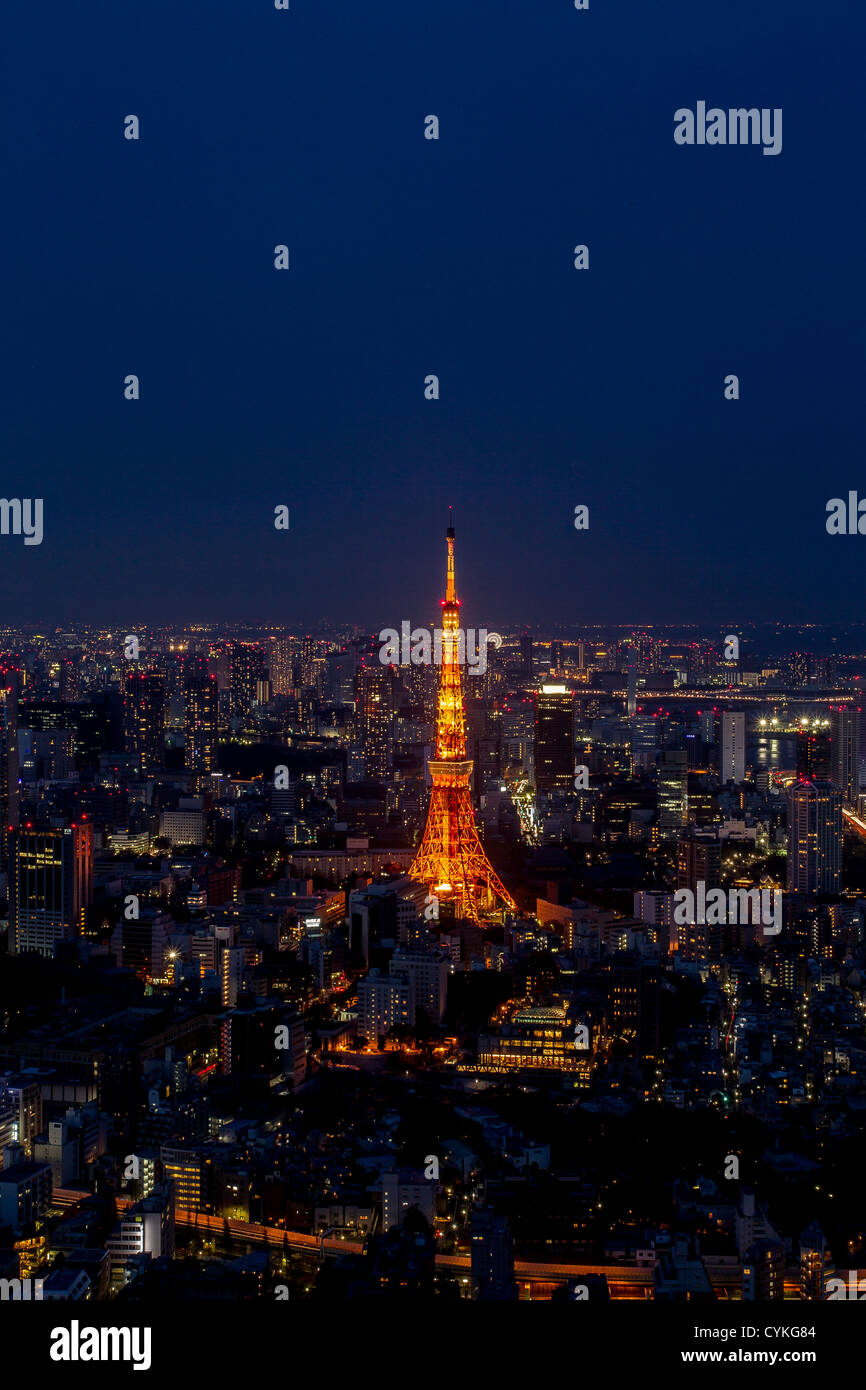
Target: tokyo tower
450, 858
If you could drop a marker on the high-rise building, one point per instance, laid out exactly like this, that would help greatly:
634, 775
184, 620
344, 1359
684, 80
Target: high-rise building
375, 693
280, 665
845, 744
643, 740
50, 886
21, 1109
144, 717
699, 861
69, 678
814, 756
339, 676
732, 750
145, 1229
673, 780
702, 803
251, 1045
426, 973
518, 732
143, 943
554, 739
246, 669
201, 710
233, 962
8, 766
383, 1003
310, 663
634, 997
814, 837
699, 857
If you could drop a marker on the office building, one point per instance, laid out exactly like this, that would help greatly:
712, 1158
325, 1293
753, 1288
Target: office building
814, 838
554, 739
183, 826
672, 791
732, 749
50, 887
250, 1044
143, 944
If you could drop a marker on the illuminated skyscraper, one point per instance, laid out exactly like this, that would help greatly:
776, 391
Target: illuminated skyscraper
518, 730
554, 739
280, 665
50, 886
8, 766
845, 741
246, 669
733, 746
814, 755
450, 859
814, 838
70, 678
201, 704
375, 695
144, 717
311, 664
673, 781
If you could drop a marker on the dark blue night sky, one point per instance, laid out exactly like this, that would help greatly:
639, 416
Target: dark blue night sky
411, 257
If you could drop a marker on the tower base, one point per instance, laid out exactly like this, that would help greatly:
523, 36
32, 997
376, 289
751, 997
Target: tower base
451, 860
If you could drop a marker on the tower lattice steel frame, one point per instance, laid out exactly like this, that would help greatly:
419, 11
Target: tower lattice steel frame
450, 859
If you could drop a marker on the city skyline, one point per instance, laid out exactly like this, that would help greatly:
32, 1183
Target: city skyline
432, 666
345, 876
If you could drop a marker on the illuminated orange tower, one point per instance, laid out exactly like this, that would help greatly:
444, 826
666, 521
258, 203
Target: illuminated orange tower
450, 858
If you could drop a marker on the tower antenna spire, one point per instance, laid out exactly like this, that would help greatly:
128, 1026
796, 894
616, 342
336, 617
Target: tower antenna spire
450, 588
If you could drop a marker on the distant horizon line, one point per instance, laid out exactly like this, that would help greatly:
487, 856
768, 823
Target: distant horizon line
191, 625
